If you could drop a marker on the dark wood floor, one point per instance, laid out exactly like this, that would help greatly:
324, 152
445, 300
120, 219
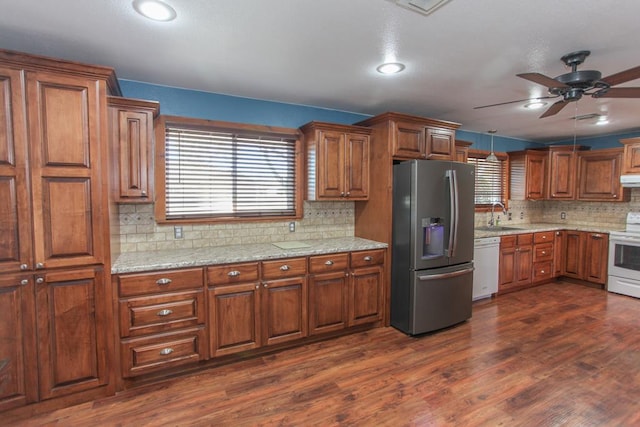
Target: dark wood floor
558, 354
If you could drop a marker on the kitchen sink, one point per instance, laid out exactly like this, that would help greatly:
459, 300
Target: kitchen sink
497, 228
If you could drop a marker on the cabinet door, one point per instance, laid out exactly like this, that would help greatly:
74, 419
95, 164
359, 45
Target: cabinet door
67, 137
536, 166
599, 176
596, 257
507, 263
574, 255
439, 144
132, 133
631, 156
365, 295
234, 318
408, 140
284, 310
327, 302
73, 334
330, 165
15, 213
558, 252
562, 172
357, 166
524, 265
18, 363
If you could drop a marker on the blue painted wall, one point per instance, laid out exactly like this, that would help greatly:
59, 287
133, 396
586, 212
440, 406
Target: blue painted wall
213, 106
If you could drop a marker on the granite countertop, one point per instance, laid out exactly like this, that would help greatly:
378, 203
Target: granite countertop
529, 228
194, 257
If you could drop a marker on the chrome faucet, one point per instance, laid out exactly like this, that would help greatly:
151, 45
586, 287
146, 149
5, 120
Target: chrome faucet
493, 206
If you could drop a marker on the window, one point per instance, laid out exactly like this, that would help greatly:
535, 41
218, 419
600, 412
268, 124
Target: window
491, 178
222, 171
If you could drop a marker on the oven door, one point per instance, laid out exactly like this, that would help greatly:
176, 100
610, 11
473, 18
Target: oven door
624, 264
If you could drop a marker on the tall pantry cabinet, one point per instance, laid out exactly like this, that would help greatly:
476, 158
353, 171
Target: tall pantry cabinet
55, 333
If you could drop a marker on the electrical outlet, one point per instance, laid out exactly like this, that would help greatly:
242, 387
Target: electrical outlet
177, 232
292, 226
521, 215
508, 216
563, 215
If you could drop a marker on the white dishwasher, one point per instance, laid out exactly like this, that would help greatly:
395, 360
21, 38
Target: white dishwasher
486, 251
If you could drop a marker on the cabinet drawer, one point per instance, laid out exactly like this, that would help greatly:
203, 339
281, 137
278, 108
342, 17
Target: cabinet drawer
508, 241
327, 263
542, 271
282, 268
524, 239
165, 281
366, 258
158, 352
543, 236
543, 252
232, 273
155, 314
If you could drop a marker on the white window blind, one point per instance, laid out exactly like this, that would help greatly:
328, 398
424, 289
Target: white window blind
211, 173
490, 181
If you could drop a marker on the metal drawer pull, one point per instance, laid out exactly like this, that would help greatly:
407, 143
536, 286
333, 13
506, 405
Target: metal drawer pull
328, 262
24, 282
368, 258
39, 280
234, 273
544, 252
165, 312
285, 268
163, 281
166, 351
23, 266
39, 265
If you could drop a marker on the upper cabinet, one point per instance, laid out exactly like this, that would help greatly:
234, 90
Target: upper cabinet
599, 176
462, 151
131, 134
631, 157
337, 161
528, 171
562, 173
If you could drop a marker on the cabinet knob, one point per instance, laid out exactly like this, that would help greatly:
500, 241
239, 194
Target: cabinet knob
544, 237
163, 281
39, 265
234, 273
368, 258
557, 233
342, 194
615, 195
328, 262
166, 351
597, 236
39, 280
285, 268
165, 312
144, 193
542, 271
24, 266
266, 285
544, 252
24, 282
348, 193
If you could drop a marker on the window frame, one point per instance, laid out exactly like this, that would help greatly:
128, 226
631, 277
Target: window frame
223, 126
504, 158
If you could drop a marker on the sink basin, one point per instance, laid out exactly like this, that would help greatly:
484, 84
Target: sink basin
497, 228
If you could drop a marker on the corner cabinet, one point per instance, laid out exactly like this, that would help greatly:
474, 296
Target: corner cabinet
631, 156
586, 256
337, 161
131, 137
54, 230
599, 176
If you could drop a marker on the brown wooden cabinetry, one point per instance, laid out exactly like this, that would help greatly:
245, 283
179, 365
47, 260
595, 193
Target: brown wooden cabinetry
543, 256
586, 256
574, 254
337, 161
516, 261
328, 280
54, 228
562, 171
132, 135
528, 171
559, 243
413, 138
462, 151
365, 287
599, 176
631, 156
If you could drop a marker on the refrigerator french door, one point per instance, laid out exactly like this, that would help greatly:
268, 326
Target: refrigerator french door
432, 245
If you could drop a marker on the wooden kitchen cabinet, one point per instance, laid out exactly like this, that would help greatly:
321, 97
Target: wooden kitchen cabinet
328, 281
528, 174
586, 256
599, 176
562, 172
516, 262
337, 161
559, 243
574, 254
462, 151
132, 137
365, 287
415, 139
543, 256
631, 156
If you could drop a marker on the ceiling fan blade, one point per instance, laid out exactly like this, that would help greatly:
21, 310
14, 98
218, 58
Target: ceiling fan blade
541, 79
514, 102
619, 92
623, 76
554, 109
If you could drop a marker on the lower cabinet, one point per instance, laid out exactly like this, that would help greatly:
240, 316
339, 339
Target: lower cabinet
516, 261
586, 256
543, 257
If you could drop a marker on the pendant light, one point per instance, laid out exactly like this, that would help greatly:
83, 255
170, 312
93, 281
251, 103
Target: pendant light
492, 156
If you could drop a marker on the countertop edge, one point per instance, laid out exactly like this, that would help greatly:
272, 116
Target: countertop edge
536, 227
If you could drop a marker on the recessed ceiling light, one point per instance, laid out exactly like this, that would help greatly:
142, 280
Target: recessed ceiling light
535, 104
390, 68
155, 9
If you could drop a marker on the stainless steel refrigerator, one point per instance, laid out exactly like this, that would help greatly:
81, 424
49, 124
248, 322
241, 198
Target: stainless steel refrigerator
432, 247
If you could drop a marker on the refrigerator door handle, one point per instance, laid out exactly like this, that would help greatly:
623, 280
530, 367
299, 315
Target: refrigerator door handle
446, 275
453, 197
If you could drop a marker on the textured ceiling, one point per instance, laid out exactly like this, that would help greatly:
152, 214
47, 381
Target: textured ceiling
324, 53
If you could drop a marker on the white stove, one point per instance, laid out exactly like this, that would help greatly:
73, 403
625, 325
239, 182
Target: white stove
624, 258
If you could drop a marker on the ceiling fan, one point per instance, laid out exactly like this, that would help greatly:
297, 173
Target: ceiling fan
572, 86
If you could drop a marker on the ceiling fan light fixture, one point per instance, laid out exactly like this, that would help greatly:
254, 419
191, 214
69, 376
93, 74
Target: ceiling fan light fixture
155, 10
536, 104
602, 120
390, 68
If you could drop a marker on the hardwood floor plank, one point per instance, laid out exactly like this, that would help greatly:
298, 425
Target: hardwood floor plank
557, 354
